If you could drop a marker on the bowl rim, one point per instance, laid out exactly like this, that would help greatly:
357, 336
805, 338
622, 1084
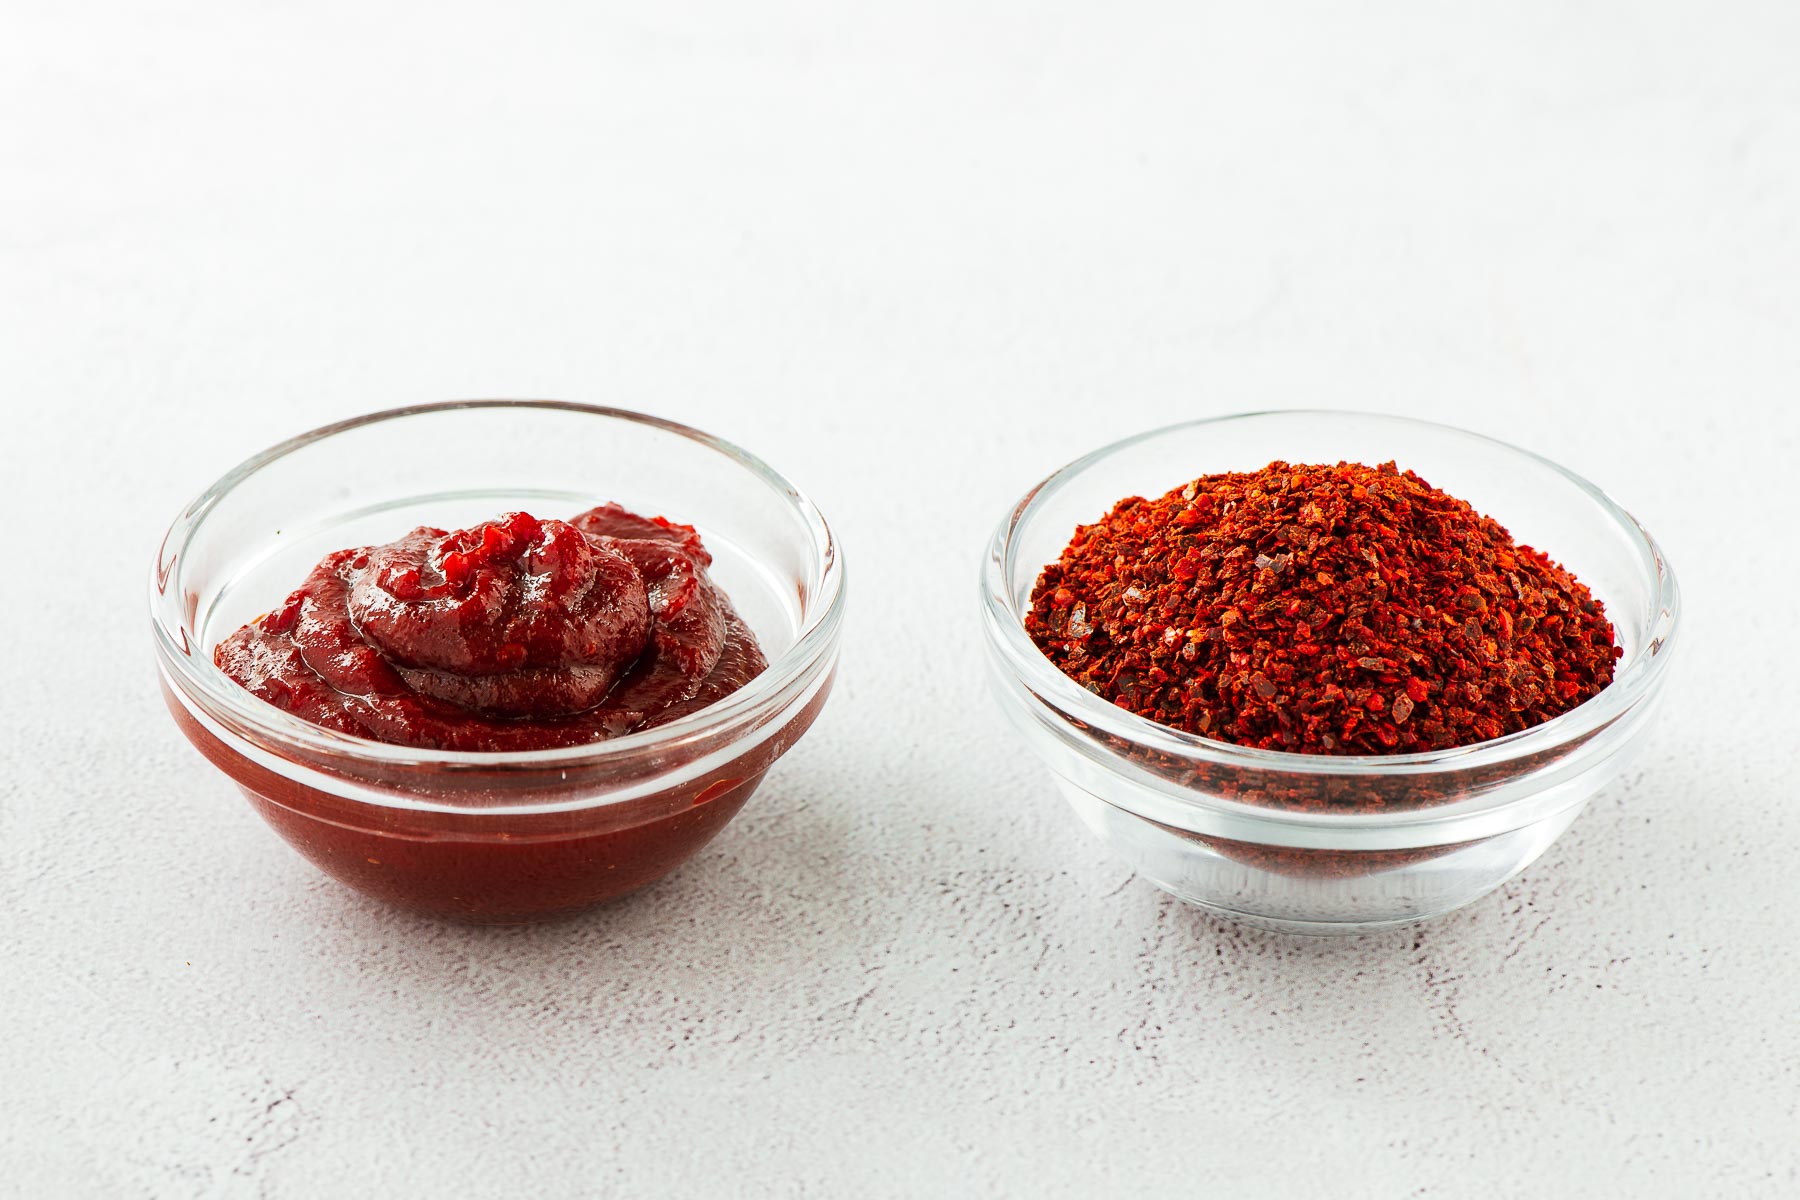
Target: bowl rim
822, 615
1021, 657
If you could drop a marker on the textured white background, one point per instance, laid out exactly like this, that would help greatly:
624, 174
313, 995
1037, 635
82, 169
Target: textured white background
917, 258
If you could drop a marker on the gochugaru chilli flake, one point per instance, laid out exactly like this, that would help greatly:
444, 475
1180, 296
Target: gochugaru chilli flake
1321, 610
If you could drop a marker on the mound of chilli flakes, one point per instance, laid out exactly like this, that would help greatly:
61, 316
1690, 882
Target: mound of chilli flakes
1344, 610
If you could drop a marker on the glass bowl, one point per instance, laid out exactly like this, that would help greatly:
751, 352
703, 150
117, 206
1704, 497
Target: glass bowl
495, 837
1318, 844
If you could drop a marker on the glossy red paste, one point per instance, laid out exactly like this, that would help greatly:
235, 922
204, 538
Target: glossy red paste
514, 634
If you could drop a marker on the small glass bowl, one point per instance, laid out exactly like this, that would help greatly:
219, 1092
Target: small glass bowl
495, 837
1317, 844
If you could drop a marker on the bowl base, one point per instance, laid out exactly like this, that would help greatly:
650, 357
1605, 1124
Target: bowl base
498, 880
1331, 893
1318, 929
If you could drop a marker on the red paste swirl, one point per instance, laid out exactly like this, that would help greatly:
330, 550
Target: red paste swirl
513, 634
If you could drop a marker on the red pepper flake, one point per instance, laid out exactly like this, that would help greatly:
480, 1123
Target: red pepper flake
1321, 610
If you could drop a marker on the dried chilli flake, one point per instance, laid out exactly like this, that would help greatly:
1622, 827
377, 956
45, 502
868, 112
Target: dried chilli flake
1321, 610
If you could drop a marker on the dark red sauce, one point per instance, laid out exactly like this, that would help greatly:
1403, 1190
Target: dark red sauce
491, 867
513, 634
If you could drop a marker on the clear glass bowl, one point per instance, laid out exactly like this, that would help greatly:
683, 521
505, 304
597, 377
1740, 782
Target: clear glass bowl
498, 837
1276, 840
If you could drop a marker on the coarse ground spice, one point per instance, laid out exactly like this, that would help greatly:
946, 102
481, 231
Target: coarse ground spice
1339, 610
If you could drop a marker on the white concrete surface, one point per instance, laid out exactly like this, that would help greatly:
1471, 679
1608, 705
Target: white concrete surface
916, 255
